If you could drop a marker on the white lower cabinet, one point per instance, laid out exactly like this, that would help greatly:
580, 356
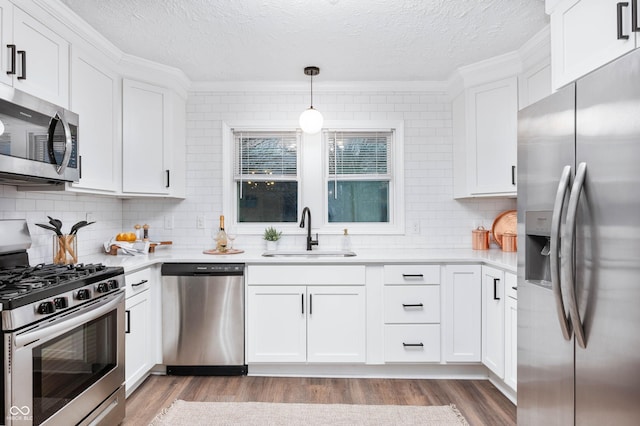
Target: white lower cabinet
289, 323
139, 329
493, 319
306, 324
511, 332
462, 313
411, 313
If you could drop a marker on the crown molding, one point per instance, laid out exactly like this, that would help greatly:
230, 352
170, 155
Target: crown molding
323, 86
537, 49
163, 75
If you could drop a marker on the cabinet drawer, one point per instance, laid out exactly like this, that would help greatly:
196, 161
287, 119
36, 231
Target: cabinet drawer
411, 274
306, 275
137, 282
411, 304
412, 343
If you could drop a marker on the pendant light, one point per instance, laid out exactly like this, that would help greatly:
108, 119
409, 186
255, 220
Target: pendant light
311, 119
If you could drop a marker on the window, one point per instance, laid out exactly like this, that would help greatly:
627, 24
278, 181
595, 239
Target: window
359, 176
351, 176
266, 176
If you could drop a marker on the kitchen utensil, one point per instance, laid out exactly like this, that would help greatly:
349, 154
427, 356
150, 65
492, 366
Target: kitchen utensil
50, 228
57, 223
76, 227
480, 239
506, 221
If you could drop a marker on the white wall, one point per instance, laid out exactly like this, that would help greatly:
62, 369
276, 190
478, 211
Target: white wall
69, 208
443, 222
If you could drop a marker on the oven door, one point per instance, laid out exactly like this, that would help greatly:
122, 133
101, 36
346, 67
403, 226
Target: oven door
62, 370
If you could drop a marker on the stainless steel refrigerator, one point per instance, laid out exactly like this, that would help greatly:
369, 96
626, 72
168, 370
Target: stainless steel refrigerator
579, 252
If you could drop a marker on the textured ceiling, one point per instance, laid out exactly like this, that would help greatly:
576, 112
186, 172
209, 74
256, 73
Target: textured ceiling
350, 40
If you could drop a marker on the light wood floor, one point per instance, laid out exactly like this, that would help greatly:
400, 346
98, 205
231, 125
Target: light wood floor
478, 400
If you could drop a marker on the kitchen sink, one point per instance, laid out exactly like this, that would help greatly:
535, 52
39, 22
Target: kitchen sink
308, 253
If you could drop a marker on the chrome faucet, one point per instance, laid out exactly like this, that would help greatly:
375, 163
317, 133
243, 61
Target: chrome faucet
310, 241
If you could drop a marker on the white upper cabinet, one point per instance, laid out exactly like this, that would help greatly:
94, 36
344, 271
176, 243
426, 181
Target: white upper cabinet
152, 140
586, 34
35, 58
485, 139
95, 97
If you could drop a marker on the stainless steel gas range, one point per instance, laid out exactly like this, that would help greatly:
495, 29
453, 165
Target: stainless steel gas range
63, 338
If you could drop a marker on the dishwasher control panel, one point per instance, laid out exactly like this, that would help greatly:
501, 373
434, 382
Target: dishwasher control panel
203, 269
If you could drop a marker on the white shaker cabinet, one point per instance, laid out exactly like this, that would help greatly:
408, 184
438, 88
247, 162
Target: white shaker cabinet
586, 34
152, 140
493, 319
462, 313
35, 59
511, 331
140, 333
485, 139
95, 97
306, 313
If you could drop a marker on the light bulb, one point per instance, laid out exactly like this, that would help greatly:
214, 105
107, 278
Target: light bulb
311, 121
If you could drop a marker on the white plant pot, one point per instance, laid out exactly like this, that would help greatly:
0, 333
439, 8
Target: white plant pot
272, 245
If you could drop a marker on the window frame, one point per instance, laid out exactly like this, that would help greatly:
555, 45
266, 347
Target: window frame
396, 180
313, 177
230, 187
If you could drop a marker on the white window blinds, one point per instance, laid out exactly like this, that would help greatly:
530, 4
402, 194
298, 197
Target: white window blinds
265, 155
359, 154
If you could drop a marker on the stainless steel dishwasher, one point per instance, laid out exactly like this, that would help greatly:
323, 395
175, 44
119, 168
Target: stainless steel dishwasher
203, 318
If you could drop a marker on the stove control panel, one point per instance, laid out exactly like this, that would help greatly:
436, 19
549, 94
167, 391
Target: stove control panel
78, 296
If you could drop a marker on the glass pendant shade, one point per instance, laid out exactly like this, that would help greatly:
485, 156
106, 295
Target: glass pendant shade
311, 121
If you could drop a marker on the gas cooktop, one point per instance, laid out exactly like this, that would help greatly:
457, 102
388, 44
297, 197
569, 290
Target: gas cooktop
21, 285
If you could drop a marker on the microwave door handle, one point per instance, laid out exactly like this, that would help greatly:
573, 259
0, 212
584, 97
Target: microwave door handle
568, 244
68, 142
556, 279
68, 323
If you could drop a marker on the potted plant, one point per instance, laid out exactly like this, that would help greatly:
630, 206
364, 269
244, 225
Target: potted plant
271, 236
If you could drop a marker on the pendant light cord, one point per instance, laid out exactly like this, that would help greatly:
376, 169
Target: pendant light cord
311, 90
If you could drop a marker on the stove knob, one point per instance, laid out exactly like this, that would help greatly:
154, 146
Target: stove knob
46, 308
61, 302
103, 287
83, 294
113, 284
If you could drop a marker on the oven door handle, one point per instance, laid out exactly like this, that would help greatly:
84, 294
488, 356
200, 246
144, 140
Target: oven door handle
64, 324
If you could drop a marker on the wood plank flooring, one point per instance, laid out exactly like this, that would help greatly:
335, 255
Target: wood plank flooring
478, 400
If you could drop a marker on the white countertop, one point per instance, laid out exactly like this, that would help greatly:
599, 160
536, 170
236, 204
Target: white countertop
493, 257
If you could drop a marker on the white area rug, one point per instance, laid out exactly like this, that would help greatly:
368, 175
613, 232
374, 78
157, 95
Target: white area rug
183, 413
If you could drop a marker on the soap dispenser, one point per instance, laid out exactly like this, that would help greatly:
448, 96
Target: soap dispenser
346, 240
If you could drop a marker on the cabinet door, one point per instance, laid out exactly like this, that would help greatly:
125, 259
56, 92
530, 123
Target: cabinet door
138, 351
462, 318
47, 60
511, 343
146, 124
6, 31
95, 98
493, 320
492, 137
276, 325
584, 36
336, 324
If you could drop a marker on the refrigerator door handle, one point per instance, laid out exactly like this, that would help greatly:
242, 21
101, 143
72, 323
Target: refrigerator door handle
556, 279
568, 250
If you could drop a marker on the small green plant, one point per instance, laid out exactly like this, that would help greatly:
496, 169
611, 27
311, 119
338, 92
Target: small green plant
272, 234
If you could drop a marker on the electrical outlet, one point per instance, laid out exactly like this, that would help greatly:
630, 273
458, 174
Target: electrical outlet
168, 221
200, 222
91, 217
414, 227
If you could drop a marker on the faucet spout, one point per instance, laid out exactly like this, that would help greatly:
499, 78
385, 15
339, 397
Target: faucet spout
306, 212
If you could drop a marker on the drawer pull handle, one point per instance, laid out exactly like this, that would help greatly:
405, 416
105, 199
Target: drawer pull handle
128, 325
412, 305
514, 288
495, 288
410, 345
140, 283
412, 276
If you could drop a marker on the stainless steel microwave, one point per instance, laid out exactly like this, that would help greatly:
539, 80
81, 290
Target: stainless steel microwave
38, 142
